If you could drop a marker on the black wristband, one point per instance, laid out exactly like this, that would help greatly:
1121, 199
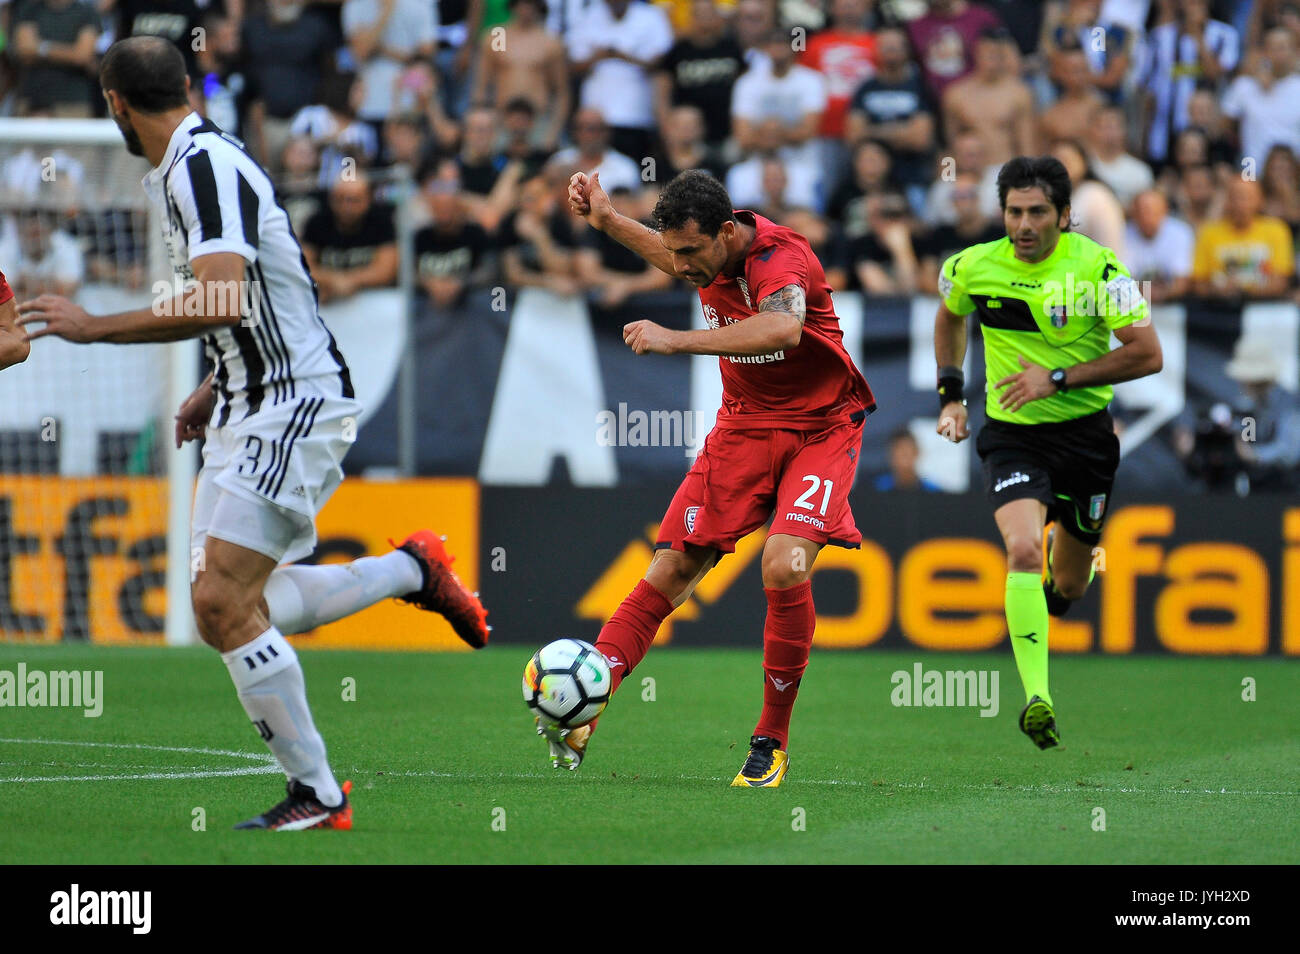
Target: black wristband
951, 382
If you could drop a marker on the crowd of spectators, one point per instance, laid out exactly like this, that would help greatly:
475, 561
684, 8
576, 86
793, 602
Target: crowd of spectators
874, 127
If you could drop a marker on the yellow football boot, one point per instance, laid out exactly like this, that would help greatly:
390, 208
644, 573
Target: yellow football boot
766, 765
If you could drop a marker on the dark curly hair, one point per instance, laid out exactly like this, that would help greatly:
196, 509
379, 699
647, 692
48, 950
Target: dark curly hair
1025, 172
693, 195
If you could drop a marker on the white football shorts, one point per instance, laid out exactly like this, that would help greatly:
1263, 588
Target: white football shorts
265, 478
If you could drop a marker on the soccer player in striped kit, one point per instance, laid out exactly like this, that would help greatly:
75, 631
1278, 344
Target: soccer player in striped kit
278, 411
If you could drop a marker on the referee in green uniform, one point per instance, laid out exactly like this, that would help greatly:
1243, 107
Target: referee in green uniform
1048, 300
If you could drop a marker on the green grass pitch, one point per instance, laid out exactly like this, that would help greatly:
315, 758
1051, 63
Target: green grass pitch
447, 768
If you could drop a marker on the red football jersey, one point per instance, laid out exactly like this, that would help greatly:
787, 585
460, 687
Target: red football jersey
811, 386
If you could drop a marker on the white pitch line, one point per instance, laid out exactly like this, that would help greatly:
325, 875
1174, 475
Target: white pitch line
214, 773
255, 756
852, 783
266, 763
268, 766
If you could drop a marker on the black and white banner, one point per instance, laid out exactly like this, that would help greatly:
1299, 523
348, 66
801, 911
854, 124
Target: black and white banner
545, 386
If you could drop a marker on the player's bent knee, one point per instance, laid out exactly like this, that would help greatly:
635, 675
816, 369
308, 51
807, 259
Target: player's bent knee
784, 568
783, 579
219, 610
673, 572
1024, 555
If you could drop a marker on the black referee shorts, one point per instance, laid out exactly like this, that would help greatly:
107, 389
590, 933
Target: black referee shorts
1067, 465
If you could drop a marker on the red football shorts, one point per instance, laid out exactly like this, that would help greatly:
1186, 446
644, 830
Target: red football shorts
801, 479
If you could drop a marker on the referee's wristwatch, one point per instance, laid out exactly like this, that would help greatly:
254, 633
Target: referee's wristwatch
1057, 377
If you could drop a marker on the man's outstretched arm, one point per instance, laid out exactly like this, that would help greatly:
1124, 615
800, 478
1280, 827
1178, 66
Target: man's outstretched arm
588, 199
218, 289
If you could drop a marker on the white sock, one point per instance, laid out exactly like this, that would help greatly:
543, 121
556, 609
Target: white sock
272, 691
299, 598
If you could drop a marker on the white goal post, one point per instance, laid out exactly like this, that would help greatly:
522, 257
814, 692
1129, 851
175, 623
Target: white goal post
81, 423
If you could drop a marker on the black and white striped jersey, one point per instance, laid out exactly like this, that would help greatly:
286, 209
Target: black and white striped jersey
214, 197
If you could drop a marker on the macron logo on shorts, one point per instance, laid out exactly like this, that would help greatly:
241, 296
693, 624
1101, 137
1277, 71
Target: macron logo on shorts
805, 518
1016, 478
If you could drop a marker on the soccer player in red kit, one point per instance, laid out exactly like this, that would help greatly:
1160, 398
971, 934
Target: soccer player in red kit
785, 445
14, 346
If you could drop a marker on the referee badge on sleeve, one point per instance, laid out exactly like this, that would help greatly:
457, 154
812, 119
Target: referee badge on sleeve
945, 285
1124, 294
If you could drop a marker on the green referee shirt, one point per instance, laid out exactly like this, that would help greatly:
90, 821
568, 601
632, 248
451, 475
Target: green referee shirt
1056, 313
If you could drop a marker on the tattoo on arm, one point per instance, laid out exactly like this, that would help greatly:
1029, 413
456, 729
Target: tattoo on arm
789, 299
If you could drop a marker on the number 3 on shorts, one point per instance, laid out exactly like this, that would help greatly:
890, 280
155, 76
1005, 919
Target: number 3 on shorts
814, 484
253, 457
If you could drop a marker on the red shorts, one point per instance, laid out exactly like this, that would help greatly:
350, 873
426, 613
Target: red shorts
743, 477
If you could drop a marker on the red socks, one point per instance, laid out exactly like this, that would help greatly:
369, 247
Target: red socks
626, 638
787, 639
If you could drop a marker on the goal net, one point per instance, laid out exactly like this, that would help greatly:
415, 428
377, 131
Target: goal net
94, 498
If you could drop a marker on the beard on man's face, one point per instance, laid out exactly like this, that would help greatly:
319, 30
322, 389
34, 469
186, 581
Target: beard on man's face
133, 144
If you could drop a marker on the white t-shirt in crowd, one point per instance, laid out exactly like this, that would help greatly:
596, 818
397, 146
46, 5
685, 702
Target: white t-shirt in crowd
1268, 117
616, 170
760, 95
412, 24
62, 262
1127, 175
620, 90
1166, 256
745, 182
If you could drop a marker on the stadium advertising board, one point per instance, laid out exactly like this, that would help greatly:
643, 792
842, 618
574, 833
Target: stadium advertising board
83, 558
1187, 575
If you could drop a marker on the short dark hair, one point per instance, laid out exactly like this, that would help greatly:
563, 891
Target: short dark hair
1025, 172
146, 71
693, 195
